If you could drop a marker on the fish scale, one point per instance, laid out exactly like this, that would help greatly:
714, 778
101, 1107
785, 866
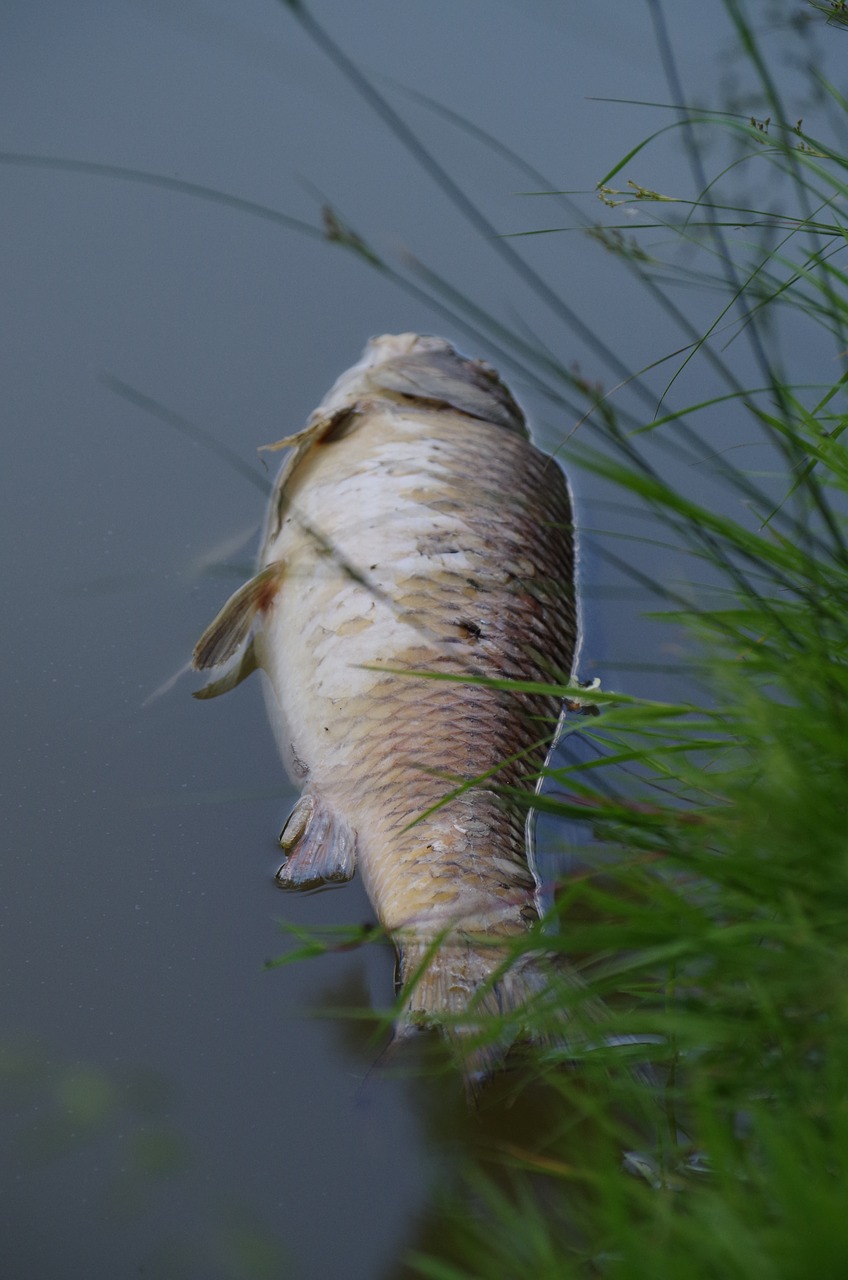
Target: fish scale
407, 533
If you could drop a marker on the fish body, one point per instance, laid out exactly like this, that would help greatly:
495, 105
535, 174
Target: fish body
414, 528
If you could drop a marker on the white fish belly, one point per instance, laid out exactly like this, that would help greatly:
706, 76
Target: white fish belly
414, 529
401, 546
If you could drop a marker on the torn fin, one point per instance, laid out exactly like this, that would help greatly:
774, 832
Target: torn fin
231, 627
319, 429
316, 429
239, 671
321, 847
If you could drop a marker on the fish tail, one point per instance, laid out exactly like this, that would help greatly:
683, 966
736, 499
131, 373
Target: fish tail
484, 1000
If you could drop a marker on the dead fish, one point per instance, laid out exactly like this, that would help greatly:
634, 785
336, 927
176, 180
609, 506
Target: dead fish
414, 528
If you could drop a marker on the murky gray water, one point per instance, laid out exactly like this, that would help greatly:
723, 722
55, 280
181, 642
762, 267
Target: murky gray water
172, 1108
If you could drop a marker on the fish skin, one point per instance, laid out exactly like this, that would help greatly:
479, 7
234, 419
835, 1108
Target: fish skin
415, 527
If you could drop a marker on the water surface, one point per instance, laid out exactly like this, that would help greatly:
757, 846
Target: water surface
171, 1107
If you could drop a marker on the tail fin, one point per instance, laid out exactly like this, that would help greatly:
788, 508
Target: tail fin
484, 999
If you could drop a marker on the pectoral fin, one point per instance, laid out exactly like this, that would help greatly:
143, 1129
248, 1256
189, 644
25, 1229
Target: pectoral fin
239, 671
320, 845
231, 628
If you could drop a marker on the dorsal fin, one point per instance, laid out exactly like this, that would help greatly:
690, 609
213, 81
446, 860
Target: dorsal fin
231, 628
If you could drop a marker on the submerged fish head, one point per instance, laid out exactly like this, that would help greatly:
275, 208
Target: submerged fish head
358, 380
416, 367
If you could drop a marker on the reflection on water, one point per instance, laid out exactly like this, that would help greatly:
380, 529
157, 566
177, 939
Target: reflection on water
122, 1136
123, 1129
525, 1154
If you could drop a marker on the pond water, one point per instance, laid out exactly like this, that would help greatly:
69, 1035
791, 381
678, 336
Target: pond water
170, 1107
